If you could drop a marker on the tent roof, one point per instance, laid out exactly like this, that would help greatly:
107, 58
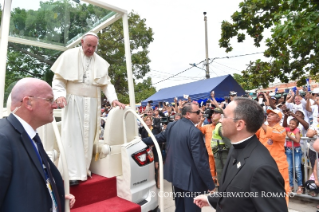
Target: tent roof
198, 90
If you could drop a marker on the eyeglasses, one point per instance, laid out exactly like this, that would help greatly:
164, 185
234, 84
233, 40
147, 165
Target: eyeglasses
222, 116
197, 112
50, 100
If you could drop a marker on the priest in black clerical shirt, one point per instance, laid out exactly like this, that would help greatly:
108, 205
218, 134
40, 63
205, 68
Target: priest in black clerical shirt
251, 180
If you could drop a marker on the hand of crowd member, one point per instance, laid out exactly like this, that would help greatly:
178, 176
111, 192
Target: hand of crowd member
291, 114
71, 198
310, 96
289, 134
175, 100
317, 182
212, 94
61, 102
201, 201
286, 113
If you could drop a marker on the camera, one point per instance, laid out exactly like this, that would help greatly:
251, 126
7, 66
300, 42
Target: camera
166, 120
286, 110
206, 115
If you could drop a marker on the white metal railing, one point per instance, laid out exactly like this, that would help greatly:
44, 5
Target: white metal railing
305, 169
129, 110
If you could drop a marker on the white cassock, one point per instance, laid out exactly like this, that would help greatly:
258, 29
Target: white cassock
80, 80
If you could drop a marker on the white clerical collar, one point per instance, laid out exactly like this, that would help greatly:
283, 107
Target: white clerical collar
30, 131
239, 142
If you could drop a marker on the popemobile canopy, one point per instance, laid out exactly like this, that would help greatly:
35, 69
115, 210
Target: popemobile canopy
198, 91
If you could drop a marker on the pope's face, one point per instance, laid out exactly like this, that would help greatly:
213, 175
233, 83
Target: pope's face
89, 44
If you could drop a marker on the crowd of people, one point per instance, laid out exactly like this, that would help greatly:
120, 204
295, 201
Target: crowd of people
286, 121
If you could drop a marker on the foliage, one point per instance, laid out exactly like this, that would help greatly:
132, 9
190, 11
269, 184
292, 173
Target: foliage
293, 47
246, 85
145, 89
112, 49
59, 21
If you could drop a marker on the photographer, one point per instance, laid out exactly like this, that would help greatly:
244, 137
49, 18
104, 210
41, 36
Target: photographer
156, 122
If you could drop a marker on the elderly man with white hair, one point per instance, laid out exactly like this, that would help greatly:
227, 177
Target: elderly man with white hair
79, 77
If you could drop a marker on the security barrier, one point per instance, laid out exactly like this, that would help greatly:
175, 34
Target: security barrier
307, 167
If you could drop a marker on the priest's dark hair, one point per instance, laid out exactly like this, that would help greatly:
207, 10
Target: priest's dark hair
249, 111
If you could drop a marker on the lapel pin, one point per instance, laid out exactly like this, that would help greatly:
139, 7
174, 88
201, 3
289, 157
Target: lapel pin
238, 165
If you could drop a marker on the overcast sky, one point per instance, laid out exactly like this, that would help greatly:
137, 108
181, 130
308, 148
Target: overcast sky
179, 38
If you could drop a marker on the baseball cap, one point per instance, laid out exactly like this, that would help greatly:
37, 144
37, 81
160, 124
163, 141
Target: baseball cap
316, 90
275, 111
300, 111
218, 110
232, 93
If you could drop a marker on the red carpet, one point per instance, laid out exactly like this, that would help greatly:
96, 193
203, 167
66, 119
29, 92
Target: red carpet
98, 194
114, 204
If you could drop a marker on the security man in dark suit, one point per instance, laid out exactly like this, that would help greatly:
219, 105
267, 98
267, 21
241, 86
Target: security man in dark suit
186, 165
251, 179
29, 181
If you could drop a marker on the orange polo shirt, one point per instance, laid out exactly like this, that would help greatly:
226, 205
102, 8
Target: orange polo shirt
207, 130
274, 140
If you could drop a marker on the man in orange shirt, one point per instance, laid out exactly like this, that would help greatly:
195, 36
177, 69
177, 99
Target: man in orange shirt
273, 137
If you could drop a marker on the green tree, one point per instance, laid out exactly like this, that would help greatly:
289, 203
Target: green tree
246, 85
293, 47
57, 22
112, 49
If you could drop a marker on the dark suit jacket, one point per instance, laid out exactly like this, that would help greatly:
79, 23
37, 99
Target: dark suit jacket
186, 164
22, 181
157, 125
258, 172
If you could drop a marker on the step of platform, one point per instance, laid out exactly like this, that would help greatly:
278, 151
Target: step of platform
94, 190
98, 194
114, 204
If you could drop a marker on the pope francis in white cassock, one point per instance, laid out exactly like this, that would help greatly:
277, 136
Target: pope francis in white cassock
79, 76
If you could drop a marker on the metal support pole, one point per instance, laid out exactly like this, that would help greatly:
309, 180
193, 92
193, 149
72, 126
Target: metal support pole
5, 24
129, 63
206, 45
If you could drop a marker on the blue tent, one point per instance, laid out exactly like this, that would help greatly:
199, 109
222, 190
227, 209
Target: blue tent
198, 91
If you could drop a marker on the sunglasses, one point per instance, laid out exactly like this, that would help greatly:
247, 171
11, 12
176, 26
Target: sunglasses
197, 112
